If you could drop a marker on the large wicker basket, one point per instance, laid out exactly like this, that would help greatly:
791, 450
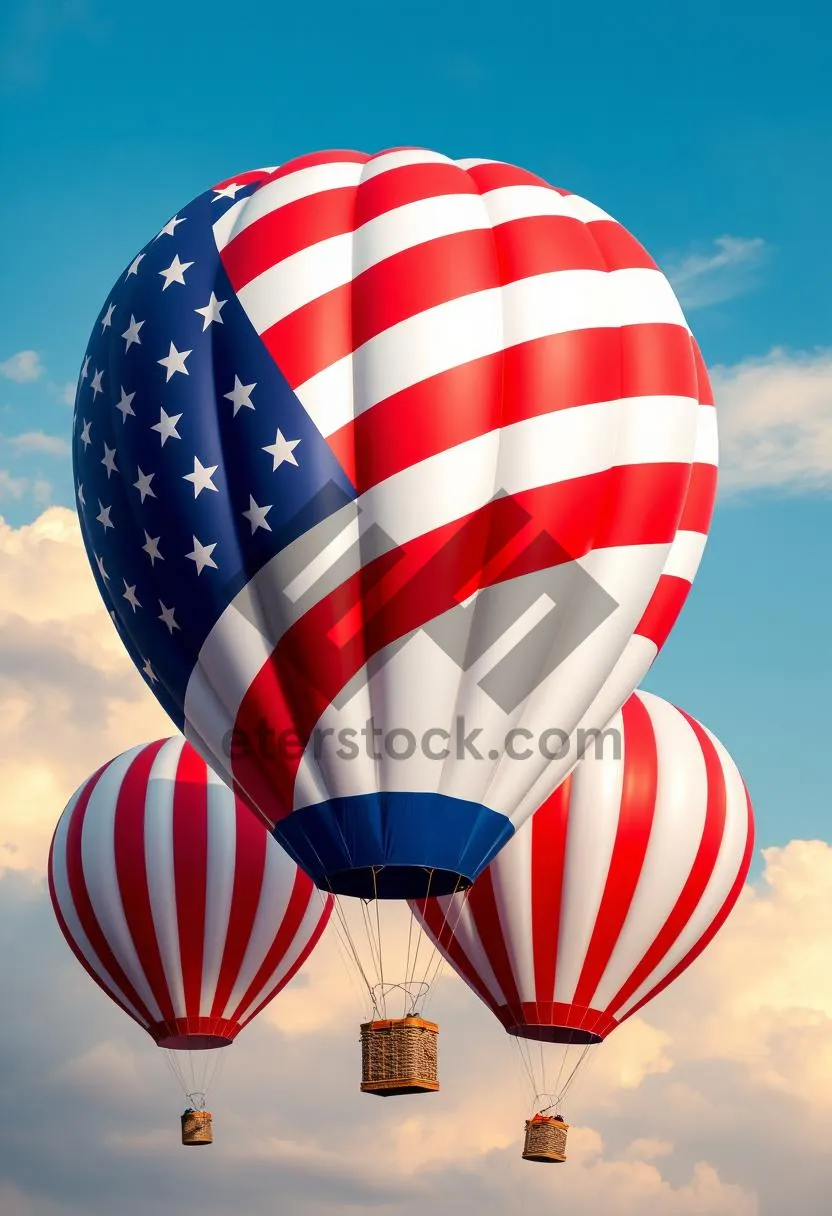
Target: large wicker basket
196, 1127
545, 1139
399, 1056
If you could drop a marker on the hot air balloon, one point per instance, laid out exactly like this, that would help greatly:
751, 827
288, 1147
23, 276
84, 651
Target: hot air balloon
380, 460
180, 907
604, 897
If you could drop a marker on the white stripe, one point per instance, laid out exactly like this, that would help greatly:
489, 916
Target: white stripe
685, 555
309, 922
723, 877
315, 179
539, 451
314, 271
219, 885
515, 914
707, 437
585, 211
471, 162
594, 811
66, 904
507, 203
161, 880
101, 877
384, 162
480, 324
675, 837
463, 926
275, 892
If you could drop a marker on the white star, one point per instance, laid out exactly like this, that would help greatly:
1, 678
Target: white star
143, 484
211, 311
281, 450
174, 361
201, 554
166, 426
175, 273
201, 477
151, 548
131, 333
85, 434
80, 493
149, 672
257, 516
109, 461
134, 266
124, 405
85, 368
166, 615
95, 384
169, 228
108, 317
129, 594
100, 563
226, 192
103, 516
240, 395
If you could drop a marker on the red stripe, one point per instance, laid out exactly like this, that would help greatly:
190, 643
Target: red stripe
716, 923
706, 392
403, 589
65, 930
549, 827
243, 179
83, 904
700, 874
314, 938
190, 870
550, 1022
617, 247
662, 613
285, 231
482, 903
430, 274
332, 326
699, 503
131, 871
408, 184
561, 371
251, 844
635, 821
496, 176
285, 934
442, 927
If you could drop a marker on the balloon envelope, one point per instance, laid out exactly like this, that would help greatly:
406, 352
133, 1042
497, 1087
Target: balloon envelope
612, 889
379, 459
175, 900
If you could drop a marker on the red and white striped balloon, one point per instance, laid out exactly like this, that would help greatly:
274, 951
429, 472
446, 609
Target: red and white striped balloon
612, 888
176, 900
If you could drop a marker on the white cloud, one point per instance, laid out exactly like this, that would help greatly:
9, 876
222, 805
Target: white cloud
775, 422
11, 487
22, 367
40, 442
729, 270
715, 1101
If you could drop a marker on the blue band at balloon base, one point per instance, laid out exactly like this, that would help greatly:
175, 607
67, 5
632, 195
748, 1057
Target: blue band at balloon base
394, 845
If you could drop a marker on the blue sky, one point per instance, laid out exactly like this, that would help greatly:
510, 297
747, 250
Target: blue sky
707, 130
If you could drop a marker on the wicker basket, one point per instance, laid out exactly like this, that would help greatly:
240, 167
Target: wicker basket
399, 1056
196, 1127
545, 1139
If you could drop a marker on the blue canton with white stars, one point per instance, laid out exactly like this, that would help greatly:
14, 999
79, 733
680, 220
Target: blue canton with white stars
194, 461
